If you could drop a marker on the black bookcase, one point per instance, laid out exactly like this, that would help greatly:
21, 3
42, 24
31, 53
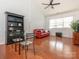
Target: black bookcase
15, 27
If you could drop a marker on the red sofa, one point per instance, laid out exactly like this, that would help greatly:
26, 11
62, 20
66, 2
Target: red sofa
40, 33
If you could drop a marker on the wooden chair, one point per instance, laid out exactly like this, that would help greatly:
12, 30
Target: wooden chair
29, 39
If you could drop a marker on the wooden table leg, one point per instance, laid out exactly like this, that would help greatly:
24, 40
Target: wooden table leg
19, 47
15, 47
34, 48
25, 52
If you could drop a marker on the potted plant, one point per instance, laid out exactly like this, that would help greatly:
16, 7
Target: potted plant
75, 25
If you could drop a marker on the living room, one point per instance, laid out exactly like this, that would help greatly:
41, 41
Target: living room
36, 16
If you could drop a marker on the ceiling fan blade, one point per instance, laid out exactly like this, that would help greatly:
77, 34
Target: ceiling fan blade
51, 2
56, 4
45, 4
46, 7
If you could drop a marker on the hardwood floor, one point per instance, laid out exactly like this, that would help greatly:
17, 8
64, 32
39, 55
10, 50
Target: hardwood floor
46, 48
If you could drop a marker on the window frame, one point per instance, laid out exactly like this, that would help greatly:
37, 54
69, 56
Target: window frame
62, 23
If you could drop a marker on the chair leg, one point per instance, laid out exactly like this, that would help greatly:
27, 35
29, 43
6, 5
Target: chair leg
19, 49
12, 45
25, 52
27, 48
15, 47
23, 47
34, 48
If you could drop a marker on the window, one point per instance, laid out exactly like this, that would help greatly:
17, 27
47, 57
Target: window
61, 22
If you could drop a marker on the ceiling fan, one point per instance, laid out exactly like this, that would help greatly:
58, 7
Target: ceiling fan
50, 4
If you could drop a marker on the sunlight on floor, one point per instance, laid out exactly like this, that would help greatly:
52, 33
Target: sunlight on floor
56, 45
60, 48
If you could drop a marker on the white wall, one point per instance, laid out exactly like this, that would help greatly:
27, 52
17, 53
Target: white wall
36, 18
66, 31
33, 18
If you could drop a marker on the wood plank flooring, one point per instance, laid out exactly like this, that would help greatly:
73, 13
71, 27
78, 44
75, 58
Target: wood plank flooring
46, 48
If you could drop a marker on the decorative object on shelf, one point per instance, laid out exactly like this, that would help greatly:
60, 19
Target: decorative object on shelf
11, 28
19, 32
11, 25
19, 24
10, 34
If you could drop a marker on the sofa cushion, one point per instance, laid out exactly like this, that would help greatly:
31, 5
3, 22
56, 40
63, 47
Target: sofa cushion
42, 31
46, 31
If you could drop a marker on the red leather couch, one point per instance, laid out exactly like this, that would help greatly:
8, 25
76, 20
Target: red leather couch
40, 33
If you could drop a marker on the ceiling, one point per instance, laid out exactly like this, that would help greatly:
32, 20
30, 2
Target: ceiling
65, 6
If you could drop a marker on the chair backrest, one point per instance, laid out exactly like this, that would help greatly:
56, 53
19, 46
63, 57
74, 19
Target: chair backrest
29, 39
30, 36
